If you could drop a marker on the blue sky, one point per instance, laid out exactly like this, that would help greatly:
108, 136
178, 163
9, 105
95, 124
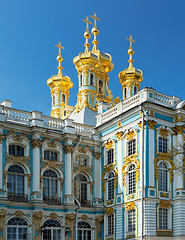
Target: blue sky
31, 28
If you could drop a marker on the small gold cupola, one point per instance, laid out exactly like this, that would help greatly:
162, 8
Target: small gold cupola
59, 86
130, 78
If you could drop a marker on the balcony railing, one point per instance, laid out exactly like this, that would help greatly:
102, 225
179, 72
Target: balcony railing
16, 197
52, 200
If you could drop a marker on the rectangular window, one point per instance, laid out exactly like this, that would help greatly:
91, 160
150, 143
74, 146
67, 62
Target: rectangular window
132, 220
162, 145
111, 224
132, 147
110, 156
163, 218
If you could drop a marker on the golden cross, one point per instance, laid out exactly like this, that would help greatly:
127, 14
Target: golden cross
95, 18
131, 40
87, 22
59, 46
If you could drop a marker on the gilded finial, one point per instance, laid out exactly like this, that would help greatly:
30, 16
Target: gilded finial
95, 32
95, 18
59, 58
130, 51
87, 34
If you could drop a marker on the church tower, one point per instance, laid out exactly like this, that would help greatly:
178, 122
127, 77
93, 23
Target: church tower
59, 86
92, 67
130, 78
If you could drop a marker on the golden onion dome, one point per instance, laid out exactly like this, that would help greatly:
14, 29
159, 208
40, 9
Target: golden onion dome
59, 82
86, 58
130, 75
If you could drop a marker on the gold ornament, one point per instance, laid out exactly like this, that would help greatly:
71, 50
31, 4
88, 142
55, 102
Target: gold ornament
178, 130
109, 144
130, 205
119, 135
109, 211
164, 132
68, 149
130, 134
151, 124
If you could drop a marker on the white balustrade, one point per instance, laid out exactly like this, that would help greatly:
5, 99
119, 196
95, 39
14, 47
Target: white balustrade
51, 122
16, 115
83, 130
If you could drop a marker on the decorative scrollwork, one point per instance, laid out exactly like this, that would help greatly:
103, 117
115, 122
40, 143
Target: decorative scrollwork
130, 205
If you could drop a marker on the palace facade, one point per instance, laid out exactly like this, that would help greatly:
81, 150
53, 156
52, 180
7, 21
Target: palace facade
104, 169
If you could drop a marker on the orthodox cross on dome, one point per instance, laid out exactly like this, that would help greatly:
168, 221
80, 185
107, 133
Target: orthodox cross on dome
87, 22
131, 40
95, 18
59, 46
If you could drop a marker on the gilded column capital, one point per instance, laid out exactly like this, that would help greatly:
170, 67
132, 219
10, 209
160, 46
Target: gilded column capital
68, 149
178, 130
97, 155
119, 135
70, 221
151, 124
36, 143
109, 144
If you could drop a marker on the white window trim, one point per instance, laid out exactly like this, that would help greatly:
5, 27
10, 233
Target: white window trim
106, 227
126, 222
127, 180
58, 150
168, 179
24, 143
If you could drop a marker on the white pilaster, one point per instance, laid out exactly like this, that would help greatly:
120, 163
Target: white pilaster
119, 162
151, 148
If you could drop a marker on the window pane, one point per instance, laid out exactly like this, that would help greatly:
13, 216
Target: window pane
163, 218
111, 224
132, 147
110, 156
131, 221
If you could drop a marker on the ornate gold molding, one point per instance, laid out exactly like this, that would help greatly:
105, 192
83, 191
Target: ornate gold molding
118, 124
164, 132
130, 205
109, 144
130, 134
164, 204
17, 159
1, 138
36, 143
119, 135
37, 222
98, 222
140, 124
151, 124
109, 211
97, 155
178, 130
2, 219
68, 149
70, 221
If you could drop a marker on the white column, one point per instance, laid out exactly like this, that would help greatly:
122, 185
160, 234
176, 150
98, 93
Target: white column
97, 179
36, 165
68, 170
1, 163
119, 162
151, 148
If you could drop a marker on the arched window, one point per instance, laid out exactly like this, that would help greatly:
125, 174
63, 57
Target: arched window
162, 145
131, 179
15, 184
50, 155
53, 99
100, 87
81, 79
52, 230
135, 90
81, 189
50, 187
63, 98
81, 161
111, 186
125, 93
17, 229
163, 177
132, 147
16, 150
84, 231
132, 220
91, 79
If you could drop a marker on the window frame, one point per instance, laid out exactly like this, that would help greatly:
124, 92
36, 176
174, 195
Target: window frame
110, 180
132, 183
133, 147
111, 152
162, 189
50, 155
133, 219
110, 219
162, 148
